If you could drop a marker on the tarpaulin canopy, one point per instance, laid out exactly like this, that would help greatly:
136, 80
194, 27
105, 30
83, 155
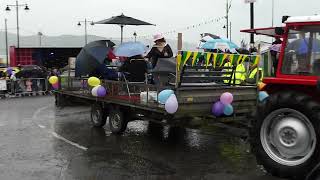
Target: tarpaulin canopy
263, 31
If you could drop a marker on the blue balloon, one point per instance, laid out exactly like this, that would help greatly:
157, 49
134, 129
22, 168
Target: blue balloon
228, 110
263, 95
164, 95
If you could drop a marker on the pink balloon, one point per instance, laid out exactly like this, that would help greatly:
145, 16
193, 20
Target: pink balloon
226, 98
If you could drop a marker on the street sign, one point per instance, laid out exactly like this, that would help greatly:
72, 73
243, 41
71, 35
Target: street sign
72, 62
249, 1
3, 85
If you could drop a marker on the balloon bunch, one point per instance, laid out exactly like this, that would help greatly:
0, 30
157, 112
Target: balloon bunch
97, 90
169, 99
223, 107
54, 81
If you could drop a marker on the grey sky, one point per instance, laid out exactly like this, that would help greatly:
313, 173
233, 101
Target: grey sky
57, 17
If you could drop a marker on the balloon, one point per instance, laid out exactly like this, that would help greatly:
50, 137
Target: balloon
263, 95
217, 108
226, 98
101, 92
13, 78
94, 91
55, 86
53, 79
228, 110
164, 95
171, 104
93, 81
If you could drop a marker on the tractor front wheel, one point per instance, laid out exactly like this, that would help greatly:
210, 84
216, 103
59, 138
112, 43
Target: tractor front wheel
285, 134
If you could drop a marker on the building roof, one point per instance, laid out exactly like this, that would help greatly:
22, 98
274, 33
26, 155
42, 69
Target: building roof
315, 18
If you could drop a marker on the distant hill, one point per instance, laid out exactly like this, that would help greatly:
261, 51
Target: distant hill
69, 41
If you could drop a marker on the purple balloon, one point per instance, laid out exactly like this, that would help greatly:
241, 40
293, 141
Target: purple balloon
9, 71
101, 91
55, 86
217, 108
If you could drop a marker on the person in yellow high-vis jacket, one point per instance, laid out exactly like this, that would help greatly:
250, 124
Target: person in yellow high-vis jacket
252, 79
239, 75
227, 65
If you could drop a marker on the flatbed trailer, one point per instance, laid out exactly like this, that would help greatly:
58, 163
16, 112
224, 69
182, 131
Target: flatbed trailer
196, 88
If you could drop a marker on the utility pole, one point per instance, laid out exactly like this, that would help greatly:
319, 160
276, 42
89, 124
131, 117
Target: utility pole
230, 32
272, 13
227, 18
6, 35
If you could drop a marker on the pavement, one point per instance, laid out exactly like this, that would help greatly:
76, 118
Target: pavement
41, 142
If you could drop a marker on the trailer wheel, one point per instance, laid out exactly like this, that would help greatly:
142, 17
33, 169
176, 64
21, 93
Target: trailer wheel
285, 136
117, 121
98, 115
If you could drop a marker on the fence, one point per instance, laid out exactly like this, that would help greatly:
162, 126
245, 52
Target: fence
24, 87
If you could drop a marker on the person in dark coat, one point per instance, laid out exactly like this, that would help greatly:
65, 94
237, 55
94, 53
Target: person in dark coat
135, 69
160, 50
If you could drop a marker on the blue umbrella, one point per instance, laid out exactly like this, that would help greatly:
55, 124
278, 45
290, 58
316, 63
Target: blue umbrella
303, 46
130, 49
221, 44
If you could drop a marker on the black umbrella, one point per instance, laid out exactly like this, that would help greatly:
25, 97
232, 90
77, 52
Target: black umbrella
91, 56
123, 20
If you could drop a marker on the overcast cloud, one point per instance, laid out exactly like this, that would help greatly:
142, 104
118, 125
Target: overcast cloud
57, 17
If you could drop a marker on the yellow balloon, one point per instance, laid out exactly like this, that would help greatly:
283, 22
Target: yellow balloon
53, 79
93, 81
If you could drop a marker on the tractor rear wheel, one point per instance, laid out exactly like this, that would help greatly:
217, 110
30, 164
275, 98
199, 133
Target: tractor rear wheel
285, 136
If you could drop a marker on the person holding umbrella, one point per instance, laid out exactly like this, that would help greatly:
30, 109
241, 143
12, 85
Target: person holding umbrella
160, 50
135, 67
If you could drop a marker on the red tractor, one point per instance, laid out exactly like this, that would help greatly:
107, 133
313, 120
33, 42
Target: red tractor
285, 133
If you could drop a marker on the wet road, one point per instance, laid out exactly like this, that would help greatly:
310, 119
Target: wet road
40, 141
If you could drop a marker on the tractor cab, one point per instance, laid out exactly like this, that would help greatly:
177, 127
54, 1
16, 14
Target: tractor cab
297, 61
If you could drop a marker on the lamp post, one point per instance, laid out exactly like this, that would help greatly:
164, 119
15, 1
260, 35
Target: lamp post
135, 36
252, 23
85, 28
17, 5
40, 34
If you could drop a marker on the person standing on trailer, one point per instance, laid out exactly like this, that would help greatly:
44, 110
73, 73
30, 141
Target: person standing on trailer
159, 50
